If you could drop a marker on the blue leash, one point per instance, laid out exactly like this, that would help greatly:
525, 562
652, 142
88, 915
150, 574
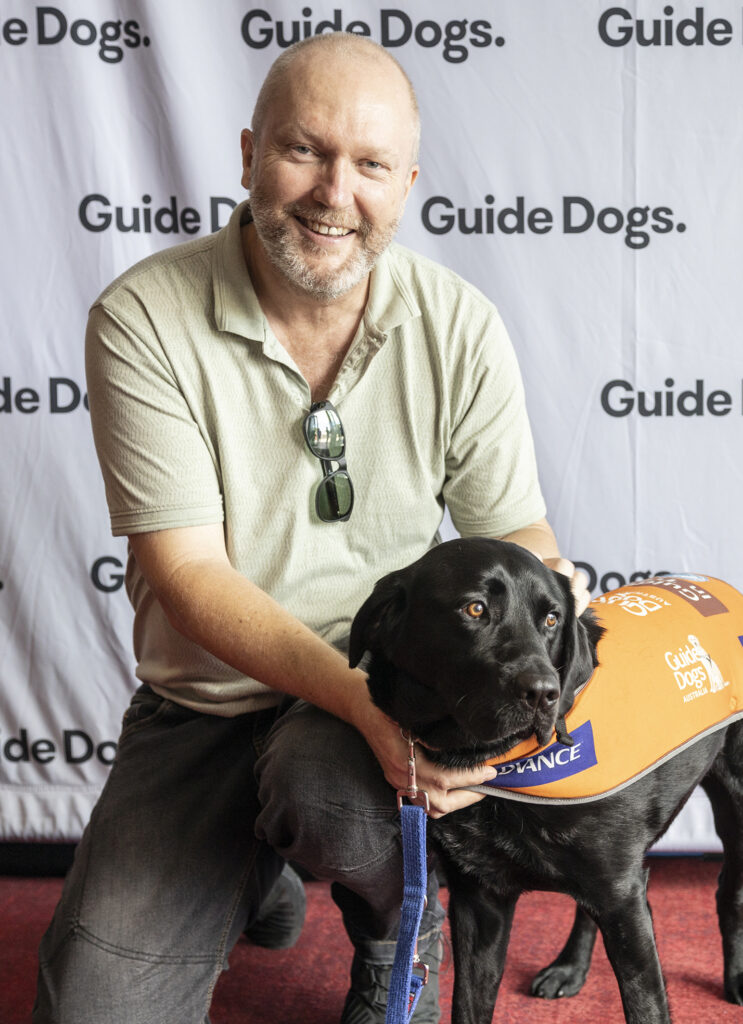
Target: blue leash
406, 986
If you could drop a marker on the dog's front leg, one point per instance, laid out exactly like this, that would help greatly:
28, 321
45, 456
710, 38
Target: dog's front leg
480, 928
627, 927
567, 973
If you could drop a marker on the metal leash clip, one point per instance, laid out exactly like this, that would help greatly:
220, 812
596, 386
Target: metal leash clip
421, 966
412, 793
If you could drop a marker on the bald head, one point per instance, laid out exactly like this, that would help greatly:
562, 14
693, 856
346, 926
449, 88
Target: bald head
329, 164
350, 54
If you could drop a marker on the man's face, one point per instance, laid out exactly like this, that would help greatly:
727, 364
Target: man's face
331, 170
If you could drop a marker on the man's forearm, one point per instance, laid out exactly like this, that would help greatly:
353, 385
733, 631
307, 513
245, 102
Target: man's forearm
218, 608
223, 612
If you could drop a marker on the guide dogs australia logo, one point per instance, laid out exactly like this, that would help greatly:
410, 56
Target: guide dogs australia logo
639, 603
694, 670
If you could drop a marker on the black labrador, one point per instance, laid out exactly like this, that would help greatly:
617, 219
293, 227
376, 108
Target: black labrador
474, 648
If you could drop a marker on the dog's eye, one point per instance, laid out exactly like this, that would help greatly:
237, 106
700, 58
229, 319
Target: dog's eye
475, 609
551, 620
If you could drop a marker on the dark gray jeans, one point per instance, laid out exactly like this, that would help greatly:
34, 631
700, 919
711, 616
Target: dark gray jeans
187, 838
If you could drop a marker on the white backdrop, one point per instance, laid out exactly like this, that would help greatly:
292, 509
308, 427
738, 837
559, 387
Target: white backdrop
581, 164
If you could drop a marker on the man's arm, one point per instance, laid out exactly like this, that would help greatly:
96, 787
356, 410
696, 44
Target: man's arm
213, 605
540, 540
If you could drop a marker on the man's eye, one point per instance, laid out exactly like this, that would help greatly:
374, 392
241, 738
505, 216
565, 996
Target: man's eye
475, 609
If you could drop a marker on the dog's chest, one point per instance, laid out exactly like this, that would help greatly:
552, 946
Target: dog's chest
504, 848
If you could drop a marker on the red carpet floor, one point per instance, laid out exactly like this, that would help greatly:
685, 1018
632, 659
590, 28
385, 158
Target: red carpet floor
306, 985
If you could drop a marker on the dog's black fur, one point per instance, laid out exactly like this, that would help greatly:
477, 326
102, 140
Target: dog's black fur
474, 648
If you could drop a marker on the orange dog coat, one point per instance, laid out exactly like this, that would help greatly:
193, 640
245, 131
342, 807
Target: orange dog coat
670, 671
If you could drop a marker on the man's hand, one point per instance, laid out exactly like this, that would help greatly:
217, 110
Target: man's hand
578, 581
443, 785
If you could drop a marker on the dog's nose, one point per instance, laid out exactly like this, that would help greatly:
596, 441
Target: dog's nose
539, 693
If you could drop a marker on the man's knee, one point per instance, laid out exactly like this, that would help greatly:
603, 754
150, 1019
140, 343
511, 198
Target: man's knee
325, 802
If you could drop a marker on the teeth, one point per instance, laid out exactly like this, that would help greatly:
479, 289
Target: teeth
326, 229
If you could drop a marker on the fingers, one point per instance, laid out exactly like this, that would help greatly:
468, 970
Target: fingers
455, 801
581, 593
579, 588
561, 565
578, 581
446, 787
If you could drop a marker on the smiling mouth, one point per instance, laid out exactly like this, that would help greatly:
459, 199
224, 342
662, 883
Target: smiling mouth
325, 229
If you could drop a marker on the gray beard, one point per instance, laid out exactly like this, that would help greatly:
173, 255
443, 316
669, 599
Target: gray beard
288, 255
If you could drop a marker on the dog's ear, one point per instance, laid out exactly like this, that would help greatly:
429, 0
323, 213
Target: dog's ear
379, 621
579, 659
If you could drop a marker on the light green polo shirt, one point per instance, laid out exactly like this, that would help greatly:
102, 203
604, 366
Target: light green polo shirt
197, 413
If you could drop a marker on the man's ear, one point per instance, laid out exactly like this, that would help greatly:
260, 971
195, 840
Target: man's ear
247, 145
379, 622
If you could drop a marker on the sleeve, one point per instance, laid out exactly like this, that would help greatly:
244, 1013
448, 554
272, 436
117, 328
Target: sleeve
158, 467
492, 486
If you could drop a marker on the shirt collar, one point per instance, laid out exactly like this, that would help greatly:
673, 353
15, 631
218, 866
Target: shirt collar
236, 306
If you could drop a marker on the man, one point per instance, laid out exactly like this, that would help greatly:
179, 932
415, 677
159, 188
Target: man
204, 363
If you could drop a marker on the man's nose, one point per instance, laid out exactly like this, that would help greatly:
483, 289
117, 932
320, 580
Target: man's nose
333, 187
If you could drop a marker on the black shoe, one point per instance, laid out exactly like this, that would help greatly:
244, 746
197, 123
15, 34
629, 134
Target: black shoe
280, 919
366, 1002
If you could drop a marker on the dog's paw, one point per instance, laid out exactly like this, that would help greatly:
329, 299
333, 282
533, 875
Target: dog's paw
558, 980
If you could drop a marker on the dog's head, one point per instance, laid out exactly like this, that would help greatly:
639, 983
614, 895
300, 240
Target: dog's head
474, 647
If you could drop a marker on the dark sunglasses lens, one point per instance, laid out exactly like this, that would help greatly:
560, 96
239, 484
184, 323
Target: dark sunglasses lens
334, 497
324, 434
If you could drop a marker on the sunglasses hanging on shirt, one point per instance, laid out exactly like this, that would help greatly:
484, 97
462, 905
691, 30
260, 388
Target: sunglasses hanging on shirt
323, 432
